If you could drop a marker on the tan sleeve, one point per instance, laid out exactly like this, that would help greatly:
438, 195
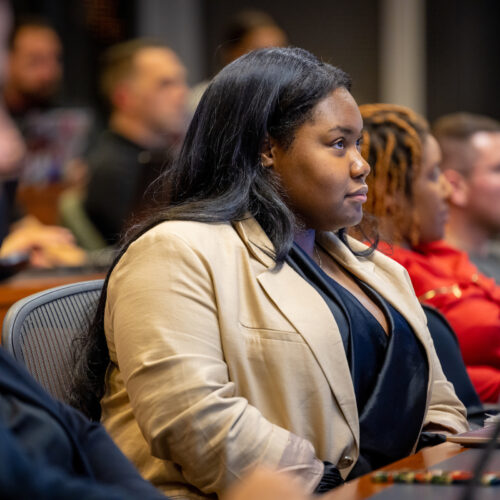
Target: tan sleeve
164, 315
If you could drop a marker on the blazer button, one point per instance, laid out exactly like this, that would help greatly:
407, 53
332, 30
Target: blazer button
345, 462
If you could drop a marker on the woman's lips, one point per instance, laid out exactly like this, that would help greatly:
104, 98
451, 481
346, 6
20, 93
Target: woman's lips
359, 195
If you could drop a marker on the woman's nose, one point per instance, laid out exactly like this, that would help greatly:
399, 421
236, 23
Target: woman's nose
360, 167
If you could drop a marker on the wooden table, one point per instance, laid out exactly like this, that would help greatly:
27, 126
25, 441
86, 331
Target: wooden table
28, 282
363, 487
41, 201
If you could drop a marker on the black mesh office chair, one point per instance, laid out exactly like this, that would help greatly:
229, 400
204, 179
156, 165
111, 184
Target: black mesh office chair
39, 330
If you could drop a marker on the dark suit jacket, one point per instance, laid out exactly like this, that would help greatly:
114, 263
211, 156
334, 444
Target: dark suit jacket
49, 450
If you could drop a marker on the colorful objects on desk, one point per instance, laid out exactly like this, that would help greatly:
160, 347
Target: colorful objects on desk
433, 477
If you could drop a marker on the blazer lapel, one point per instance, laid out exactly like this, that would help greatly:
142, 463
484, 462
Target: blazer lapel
380, 272
306, 310
388, 278
312, 318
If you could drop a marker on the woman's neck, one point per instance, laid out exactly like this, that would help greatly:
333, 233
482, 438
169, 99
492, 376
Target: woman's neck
305, 240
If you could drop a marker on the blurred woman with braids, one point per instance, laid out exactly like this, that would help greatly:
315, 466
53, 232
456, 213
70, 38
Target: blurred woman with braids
408, 194
240, 325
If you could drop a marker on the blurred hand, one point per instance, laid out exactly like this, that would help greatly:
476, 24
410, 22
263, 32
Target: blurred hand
266, 484
49, 246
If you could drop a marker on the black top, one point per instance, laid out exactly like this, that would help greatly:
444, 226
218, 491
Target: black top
389, 372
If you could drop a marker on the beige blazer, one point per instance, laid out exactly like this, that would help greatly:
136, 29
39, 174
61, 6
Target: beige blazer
219, 362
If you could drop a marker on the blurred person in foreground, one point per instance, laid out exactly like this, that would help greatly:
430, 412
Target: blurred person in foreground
47, 246
240, 326
470, 145
145, 85
409, 195
49, 450
248, 30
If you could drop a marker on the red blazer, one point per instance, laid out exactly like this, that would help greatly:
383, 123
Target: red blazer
445, 278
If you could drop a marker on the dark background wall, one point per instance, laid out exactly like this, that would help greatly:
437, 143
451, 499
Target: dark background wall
463, 57
342, 32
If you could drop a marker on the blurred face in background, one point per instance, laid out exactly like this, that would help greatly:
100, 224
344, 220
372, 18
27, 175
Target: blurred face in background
483, 181
158, 91
430, 194
258, 38
35, 68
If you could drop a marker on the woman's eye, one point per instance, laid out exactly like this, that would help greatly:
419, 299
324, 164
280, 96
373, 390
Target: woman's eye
358, 144
339, 144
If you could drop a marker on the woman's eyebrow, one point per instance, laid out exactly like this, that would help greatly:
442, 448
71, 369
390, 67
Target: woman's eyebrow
345, 130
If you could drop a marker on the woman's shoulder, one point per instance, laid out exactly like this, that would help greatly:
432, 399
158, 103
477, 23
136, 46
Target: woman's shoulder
173, 246
180, 242
191, 233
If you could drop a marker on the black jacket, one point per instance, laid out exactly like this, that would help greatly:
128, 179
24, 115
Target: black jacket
50, 450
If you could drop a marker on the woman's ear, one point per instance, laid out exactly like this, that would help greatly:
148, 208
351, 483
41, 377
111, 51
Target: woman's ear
266, 155
459, 192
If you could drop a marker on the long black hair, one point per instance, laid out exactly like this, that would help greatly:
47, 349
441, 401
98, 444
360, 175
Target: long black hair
218, 175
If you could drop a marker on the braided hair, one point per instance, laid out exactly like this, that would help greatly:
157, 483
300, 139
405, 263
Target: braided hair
393, 139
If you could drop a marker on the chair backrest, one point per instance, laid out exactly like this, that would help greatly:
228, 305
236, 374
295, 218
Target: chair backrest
39, 331
448, 351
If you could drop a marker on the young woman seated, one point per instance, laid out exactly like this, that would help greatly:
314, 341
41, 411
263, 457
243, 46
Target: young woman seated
408, 194
240, 325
